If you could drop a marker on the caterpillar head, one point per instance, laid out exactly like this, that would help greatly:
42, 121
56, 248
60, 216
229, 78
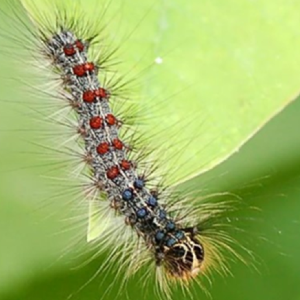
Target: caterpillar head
184, 259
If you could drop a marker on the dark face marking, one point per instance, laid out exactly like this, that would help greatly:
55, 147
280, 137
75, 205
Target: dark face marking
184, 259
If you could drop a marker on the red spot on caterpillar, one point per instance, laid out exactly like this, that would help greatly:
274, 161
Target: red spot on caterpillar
113, 172
125, 164
103, 148
79, 45
89, 67
110, 119
79, 70
69, 50
101, 92
117, 144
88, 96
95, 122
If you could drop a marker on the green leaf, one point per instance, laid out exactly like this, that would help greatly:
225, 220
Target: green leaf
225, 71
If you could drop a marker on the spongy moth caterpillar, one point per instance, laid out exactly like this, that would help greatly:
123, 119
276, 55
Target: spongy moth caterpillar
169, 229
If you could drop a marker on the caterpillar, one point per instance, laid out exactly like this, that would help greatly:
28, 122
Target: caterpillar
146, 224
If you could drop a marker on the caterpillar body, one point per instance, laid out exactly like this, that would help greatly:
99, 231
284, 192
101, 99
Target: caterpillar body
176, 248
178, 235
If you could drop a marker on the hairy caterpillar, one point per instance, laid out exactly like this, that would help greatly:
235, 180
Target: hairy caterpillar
172, 232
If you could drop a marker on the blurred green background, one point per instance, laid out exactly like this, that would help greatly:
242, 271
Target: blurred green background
35, 228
